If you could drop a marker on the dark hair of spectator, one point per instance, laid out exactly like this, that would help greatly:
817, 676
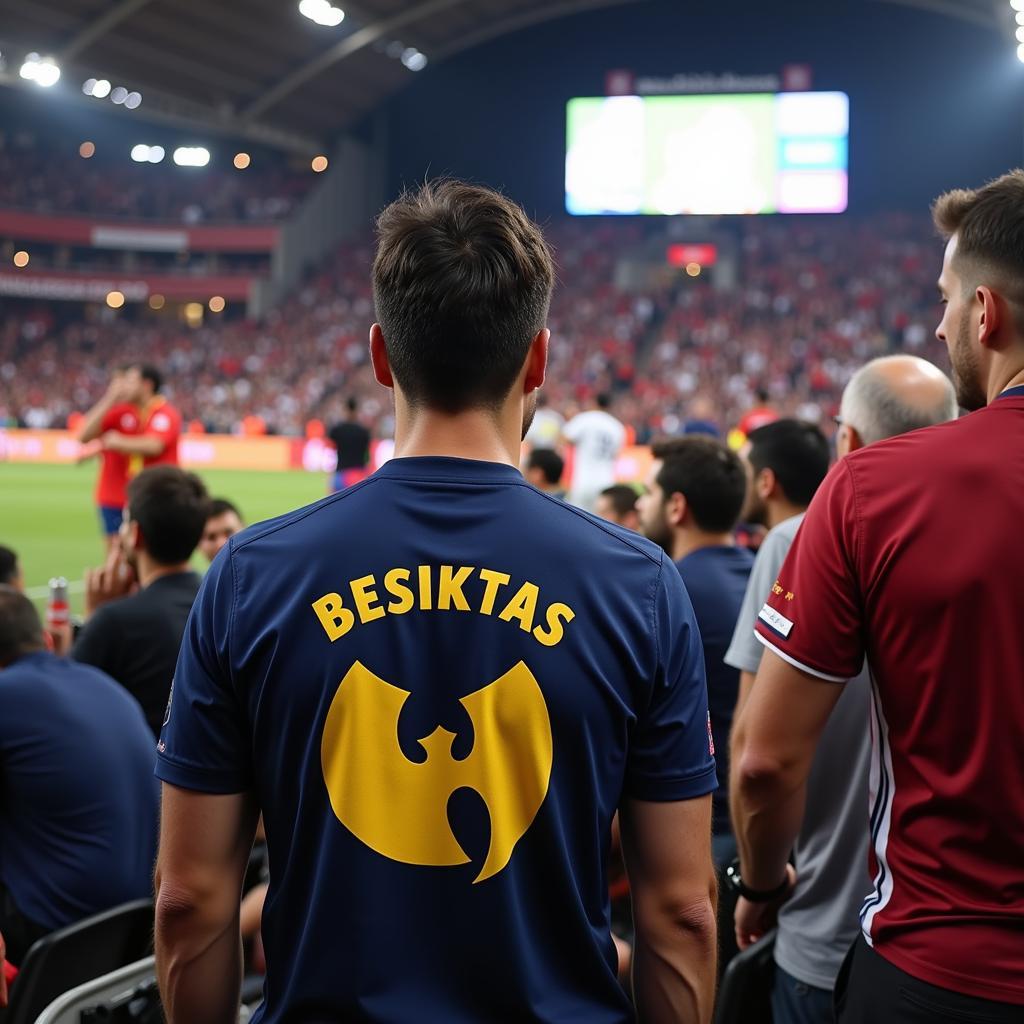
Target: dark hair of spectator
796, 452
152, 374
462, 282
21, 632
352, 404
604, 400
622, 497
8, 566
708, 474
218, 506
170, 507
549, 462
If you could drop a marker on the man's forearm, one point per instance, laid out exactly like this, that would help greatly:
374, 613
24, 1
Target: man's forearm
92, 425
129, 445
199, 968
674, 963
767, 810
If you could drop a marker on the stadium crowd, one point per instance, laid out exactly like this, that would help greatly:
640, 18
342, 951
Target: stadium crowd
34, 177
814, 300
856, 600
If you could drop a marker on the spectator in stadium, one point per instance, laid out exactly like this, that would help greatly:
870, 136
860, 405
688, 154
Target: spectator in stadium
11, 574
546, 429
597, 438
787, 461
113, 412
760, 416
819, 918
78, 805
695, 492
908, 552
605, 686
155, 442
223, 521
544, 469
618, 504
351, 440
134, 637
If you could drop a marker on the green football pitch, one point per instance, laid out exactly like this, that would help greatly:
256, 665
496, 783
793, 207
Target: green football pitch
48, 517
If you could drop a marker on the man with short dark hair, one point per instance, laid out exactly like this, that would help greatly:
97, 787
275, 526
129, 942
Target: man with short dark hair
10, 569
618, 504
544, 469
136, 638
155, 439
223, 521
695, 492
78, 806
910, 554
438, 710
351, 440
597, 438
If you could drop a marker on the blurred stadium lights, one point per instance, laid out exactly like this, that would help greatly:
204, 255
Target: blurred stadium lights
143, 154
319, 163
118, 95
191, 156
41, 70
242, 160
322, 12
217, 304
1017, 5
86, 149
21, 258
156, 301
98, 87
133, 100
413, 59
693, 269
115, 299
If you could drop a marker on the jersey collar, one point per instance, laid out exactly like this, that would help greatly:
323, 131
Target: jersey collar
1017, 392
439, 467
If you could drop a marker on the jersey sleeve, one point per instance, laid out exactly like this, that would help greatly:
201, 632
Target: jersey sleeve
671, 755
164, 424
813, 615
573, 430
203, 745
745, 651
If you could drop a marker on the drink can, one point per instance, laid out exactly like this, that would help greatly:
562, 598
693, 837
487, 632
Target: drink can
58, 614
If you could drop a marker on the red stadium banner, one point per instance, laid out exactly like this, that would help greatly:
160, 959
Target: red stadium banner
83, 286
682, 253
138, 237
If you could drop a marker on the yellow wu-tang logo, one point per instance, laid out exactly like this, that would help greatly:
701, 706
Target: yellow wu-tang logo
398, 807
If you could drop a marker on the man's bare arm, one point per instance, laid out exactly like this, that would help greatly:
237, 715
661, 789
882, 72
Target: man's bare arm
92, 423
204, 848
773, 746
130, 444
667, 850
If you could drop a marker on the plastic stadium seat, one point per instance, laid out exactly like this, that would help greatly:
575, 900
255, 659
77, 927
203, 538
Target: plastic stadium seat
745, 993
127, 993
79, 953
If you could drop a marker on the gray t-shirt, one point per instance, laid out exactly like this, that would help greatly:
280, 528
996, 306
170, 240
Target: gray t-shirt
820, 921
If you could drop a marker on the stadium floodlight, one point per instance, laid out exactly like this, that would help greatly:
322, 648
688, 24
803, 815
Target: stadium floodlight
322, 12
140, 153
118, 95
101, 89
413, 59
1020, 53
191, 156
1020, 34
88, 85
1020, 17
41, 70
1017, 5
133, 100
156, 154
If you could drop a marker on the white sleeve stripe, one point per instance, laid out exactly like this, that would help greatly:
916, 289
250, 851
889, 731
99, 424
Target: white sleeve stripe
799, 664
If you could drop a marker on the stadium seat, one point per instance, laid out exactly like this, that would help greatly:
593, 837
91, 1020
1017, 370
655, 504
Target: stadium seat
128, 994
78, 954
745, 994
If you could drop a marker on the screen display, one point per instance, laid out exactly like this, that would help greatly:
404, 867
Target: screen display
727, 154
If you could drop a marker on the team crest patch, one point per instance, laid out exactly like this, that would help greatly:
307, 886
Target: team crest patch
776, 621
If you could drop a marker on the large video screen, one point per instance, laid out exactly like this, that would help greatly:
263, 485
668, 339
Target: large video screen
724, 154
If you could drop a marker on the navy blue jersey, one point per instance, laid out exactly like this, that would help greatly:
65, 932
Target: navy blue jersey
440, 683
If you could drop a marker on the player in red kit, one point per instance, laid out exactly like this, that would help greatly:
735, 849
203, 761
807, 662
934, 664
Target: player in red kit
155, 443
115, 411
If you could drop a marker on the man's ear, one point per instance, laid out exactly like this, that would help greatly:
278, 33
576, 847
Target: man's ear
992, 315
676, 509
537, 362
133, 535
765, 483
379, 358
854, 441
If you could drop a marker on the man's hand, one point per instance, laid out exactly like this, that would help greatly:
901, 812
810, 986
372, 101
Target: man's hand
755, 920
114, 580
88, 451
61, 639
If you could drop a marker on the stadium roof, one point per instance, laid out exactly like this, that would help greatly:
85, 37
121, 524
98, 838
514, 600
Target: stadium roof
257, 68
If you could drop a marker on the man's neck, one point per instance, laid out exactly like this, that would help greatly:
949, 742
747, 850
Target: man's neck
685, 542
476, 434
1009, 377
780, 511
150, 571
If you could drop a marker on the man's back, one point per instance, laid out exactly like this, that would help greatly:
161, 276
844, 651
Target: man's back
78, 804
449, 680
352, 441
597, 437
136, 639
921, 561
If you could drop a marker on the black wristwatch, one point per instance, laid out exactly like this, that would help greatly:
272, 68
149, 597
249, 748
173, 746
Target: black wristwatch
732, 875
